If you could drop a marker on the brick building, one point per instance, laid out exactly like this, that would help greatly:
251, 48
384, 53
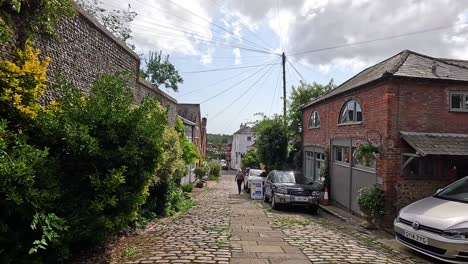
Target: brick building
192, 113
414, 107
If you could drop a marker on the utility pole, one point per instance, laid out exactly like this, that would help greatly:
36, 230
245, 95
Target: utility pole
284, 86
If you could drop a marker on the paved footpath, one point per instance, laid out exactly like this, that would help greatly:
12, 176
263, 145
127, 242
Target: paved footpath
225, 227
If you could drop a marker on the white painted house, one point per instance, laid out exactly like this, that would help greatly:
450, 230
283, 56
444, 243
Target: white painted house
242, 141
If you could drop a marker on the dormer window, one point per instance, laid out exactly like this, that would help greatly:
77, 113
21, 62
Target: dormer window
351, 113
314, 120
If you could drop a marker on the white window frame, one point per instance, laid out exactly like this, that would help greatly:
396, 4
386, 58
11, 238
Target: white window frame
464, 100
354, 122
317, 120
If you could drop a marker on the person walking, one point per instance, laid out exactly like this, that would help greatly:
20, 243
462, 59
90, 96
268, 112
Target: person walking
239, 179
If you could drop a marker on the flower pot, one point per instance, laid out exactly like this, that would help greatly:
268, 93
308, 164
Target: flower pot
200, 184
367, 224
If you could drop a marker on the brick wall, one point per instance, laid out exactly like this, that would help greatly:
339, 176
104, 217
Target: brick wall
388, 108
84, 50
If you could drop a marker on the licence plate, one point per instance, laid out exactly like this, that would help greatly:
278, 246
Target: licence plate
301, 199
416, 237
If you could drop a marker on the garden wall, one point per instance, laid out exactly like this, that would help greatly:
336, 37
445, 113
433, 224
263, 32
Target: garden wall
84, 50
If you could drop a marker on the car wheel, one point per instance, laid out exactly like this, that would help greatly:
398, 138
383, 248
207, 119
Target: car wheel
274, 205
265, 198
313, 209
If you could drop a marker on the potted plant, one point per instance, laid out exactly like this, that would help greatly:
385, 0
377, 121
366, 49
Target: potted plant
200, 172
371, 203
366, 153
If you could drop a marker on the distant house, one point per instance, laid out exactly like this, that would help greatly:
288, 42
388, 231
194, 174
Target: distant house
414, 107
242, 141
192, 113
195, 130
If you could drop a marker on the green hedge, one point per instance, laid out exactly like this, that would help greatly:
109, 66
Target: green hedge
81, 169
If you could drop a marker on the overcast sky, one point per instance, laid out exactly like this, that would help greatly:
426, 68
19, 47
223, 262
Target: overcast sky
204, 35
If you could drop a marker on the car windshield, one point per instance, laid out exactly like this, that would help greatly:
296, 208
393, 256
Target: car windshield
456, 192
255, 172
290, 177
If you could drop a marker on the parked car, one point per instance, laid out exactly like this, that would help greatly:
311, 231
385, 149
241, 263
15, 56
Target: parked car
223, 164
254, 174
293, 188
438, 225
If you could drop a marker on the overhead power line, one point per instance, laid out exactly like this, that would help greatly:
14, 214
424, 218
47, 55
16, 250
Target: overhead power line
236, 117
301, 77
379, 39
206, 20
240, 96
234, 85
216, 25
167, 34
231, 68
243, 23
218, 82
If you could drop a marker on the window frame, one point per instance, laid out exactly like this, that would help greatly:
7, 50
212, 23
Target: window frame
317, 121
463, 102
355, 115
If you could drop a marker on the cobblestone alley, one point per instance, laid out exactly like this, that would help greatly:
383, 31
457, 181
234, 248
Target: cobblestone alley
224, 227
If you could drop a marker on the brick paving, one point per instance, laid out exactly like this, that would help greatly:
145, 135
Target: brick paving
225, 227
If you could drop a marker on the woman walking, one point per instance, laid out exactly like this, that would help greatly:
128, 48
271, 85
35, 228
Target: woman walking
239, 179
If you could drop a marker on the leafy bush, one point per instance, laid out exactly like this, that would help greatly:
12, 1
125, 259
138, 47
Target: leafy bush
187, 188
78, 170
215, 169
371, 201
250, 159
200, 172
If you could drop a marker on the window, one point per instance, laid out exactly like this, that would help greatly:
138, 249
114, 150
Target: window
314, 120
420, 167
319, 164
351, 113
341, 154
459, 101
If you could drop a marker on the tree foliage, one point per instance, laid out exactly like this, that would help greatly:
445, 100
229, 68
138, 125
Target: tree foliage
300, 96
189, 151
78, 169
117, 21
272, 143
160, 71
251, 159
40, 15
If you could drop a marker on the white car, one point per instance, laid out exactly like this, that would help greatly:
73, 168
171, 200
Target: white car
438, 225
254, 174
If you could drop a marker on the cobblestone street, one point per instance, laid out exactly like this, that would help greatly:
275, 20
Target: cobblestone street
225, 227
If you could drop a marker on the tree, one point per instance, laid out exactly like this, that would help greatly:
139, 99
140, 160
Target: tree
300, 96
272, 142
250, 159
160, 71
116, 21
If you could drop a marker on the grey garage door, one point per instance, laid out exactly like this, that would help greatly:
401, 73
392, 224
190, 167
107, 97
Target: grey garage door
347, 176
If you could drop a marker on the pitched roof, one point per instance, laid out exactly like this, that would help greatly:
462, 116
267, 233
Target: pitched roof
186, 121
404, 64
244, 130
437, 143
189, 111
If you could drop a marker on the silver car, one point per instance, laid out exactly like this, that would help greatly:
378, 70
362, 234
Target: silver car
437, 226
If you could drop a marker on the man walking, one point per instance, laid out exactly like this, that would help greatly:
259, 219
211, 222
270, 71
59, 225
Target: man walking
239, 179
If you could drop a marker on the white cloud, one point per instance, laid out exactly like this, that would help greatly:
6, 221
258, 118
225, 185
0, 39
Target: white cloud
316, 24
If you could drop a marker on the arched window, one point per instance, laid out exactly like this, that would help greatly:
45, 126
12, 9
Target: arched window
351, 113
314, 120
